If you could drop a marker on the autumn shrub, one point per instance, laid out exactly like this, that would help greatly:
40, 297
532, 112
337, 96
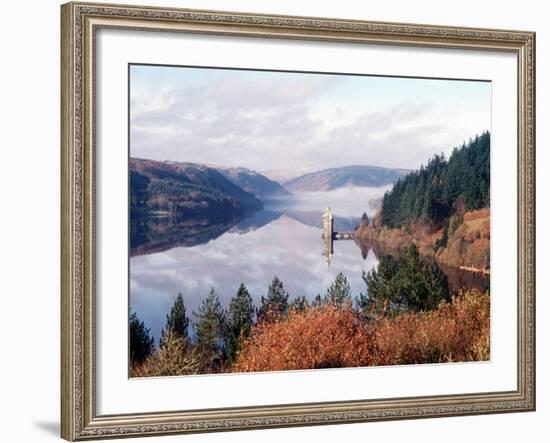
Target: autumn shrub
332, 337
454, 332
175, 357
317, 337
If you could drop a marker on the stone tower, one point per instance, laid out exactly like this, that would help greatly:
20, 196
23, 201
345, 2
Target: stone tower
328, 235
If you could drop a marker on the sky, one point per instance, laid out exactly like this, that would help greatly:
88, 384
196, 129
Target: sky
294, 123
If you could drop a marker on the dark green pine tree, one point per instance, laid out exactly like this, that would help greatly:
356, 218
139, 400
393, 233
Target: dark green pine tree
209, 328
434, 288
433, 191
362, 302
240, 320
339, 292
404, 283
142, 344
299, 303
317, 301
276, 302
428, 210
379, 284
176, 320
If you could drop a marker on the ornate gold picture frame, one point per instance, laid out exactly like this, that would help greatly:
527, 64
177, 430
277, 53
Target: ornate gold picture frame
80, 23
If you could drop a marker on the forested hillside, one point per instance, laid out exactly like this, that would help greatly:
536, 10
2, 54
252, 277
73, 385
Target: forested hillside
442, 187
185, 189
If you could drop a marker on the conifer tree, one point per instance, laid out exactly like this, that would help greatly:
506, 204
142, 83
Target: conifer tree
209, 326
240, 320
142, 344
432, 191
339, 292
276, 302
299, 303
404, 283
317, 301
176, 320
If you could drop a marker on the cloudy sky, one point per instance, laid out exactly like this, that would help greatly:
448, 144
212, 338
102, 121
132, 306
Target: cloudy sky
277, 121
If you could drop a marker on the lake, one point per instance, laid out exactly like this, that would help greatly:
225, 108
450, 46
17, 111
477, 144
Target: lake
171, 255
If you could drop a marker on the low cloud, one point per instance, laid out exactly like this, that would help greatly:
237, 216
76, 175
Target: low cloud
262, 122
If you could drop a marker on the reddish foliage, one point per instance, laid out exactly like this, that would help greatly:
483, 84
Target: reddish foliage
319, 337
457, 331
331, 337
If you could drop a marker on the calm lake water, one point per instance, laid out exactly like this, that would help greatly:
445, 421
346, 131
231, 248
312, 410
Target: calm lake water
191, 256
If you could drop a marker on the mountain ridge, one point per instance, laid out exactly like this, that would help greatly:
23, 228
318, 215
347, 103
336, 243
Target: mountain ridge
253, 182
344, 176
177, 188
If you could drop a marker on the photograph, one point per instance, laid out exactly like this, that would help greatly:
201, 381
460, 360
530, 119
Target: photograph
286, 217
283, 220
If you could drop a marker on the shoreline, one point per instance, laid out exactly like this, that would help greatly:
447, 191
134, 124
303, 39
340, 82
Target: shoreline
467, 248
476, 270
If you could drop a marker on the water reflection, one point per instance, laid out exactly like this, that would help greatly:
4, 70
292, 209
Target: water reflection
157, 234
457, 278
283, 247
170, 255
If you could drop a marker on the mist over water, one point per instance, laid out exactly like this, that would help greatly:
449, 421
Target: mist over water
348, 202
283, 240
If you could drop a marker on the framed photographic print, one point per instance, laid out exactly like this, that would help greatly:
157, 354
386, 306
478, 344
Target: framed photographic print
282, 221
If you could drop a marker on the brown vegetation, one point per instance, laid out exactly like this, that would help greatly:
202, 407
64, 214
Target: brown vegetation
468, 243
331, 337
321, 337
175, 357
455, 332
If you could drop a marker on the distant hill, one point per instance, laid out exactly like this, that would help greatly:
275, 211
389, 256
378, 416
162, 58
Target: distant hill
185, 189
281, 175
334, 178
253, 182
